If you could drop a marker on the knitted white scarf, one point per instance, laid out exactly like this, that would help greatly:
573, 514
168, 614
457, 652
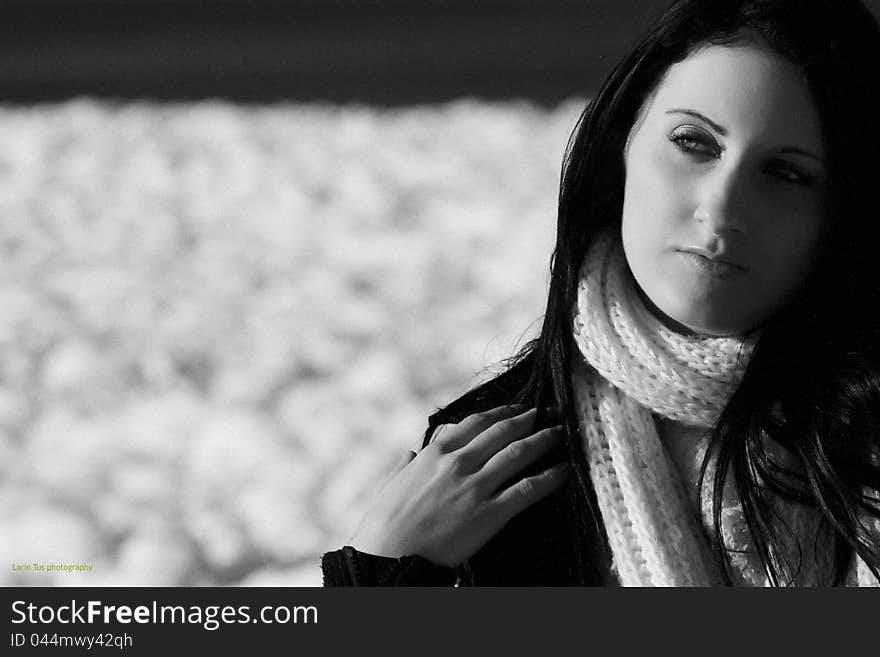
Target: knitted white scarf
657, 536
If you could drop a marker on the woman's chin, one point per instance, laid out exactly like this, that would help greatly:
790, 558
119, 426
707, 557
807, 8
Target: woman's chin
692, 312
716, 325
708, 319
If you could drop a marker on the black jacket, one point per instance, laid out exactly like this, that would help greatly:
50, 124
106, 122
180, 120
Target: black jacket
555, 542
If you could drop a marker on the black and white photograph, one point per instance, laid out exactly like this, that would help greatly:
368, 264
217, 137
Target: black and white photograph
450, 293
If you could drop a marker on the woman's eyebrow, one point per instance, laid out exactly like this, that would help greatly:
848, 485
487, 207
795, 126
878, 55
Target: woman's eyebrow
717, 128
801, 151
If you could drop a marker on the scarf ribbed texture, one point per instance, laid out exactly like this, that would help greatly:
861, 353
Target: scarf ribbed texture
639, 366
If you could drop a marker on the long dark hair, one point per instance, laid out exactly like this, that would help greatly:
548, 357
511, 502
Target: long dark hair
813, 382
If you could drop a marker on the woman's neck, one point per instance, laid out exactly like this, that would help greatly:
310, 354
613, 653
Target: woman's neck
662, 317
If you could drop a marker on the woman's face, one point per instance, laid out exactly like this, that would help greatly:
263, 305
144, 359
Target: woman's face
725, 190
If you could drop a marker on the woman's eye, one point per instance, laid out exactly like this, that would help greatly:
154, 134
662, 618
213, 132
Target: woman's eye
690, 141
789, 174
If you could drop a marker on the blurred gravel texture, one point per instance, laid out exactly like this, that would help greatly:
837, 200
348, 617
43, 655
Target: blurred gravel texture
221, 324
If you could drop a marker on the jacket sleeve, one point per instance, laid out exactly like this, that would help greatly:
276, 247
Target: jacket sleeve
350, 567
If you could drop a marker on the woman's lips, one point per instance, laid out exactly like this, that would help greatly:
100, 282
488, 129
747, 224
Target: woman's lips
714, 267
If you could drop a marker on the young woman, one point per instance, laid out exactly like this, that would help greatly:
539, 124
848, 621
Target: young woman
702, 406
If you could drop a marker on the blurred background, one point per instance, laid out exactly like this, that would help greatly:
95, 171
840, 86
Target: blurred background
248, 247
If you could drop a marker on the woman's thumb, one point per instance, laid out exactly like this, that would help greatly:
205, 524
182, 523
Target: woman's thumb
403, 461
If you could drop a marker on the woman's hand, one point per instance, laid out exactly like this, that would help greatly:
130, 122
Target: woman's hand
448, 501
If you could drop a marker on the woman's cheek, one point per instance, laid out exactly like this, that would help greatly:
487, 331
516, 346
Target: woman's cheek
676, 179
789, 235
658, 183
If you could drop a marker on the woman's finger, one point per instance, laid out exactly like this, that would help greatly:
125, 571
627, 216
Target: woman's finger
528, 490
498, 436
516, 457
458, 435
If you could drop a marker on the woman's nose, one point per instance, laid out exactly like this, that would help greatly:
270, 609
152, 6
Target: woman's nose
721, 202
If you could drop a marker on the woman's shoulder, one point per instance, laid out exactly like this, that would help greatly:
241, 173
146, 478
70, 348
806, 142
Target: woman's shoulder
503, 388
